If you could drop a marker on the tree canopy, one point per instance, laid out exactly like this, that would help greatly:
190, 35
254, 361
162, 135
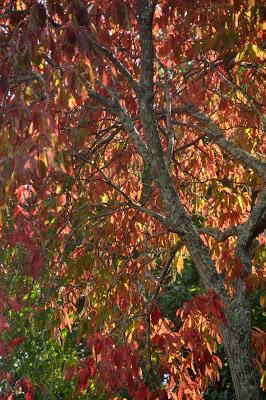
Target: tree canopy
132, 199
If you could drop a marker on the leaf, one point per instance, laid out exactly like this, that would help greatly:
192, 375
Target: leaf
105, 78
155, 315
83, 376
105, 198
83, 101
263, 381
90, 72
16, 342
4, 326
178, 260
174, 238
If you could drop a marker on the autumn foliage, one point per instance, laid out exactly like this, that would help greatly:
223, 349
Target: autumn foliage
132, 150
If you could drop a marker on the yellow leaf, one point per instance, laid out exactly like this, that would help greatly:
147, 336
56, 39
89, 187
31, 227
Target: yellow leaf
193, 369
43, 157
226, 189
241, 55
58, 189
178, 260
104, 198
263, 381
20, 6
257, 52
72, 102
129, 332
174, 238
240, 201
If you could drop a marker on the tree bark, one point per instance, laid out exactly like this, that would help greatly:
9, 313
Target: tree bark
237, 341
237, 334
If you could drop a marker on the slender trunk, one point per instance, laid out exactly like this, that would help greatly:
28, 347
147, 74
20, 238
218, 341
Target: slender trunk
237, 341
237, 335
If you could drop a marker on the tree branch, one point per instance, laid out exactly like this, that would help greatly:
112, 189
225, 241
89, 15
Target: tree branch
254, 225
217, 234
215, 132
161, 218
115, 108
169, 129
178, 217
167, 265
121, 68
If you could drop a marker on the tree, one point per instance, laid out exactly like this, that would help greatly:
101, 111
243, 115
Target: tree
132, 145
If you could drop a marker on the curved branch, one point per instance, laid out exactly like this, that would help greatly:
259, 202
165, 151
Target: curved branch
115, 108
216, 134
178, 217
217, 234
121, 68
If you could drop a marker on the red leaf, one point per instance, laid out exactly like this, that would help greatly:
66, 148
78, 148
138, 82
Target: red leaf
211, 304
104, 78
83, 376
23, 192
62, 200
71, 372
27, 385
17, 341
28, 396
163, 395
20, 210
4, 326
142, 394
155, 315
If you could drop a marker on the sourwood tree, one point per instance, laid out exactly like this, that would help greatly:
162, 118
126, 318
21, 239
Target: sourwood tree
132, 148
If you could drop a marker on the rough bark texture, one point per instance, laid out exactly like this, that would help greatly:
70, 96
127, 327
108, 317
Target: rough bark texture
237, 335
236, 339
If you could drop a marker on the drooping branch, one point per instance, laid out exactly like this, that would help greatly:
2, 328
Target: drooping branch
115, 108
234, 85
216, 134
121, 68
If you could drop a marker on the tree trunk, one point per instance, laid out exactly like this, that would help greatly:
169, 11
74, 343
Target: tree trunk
237, 341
